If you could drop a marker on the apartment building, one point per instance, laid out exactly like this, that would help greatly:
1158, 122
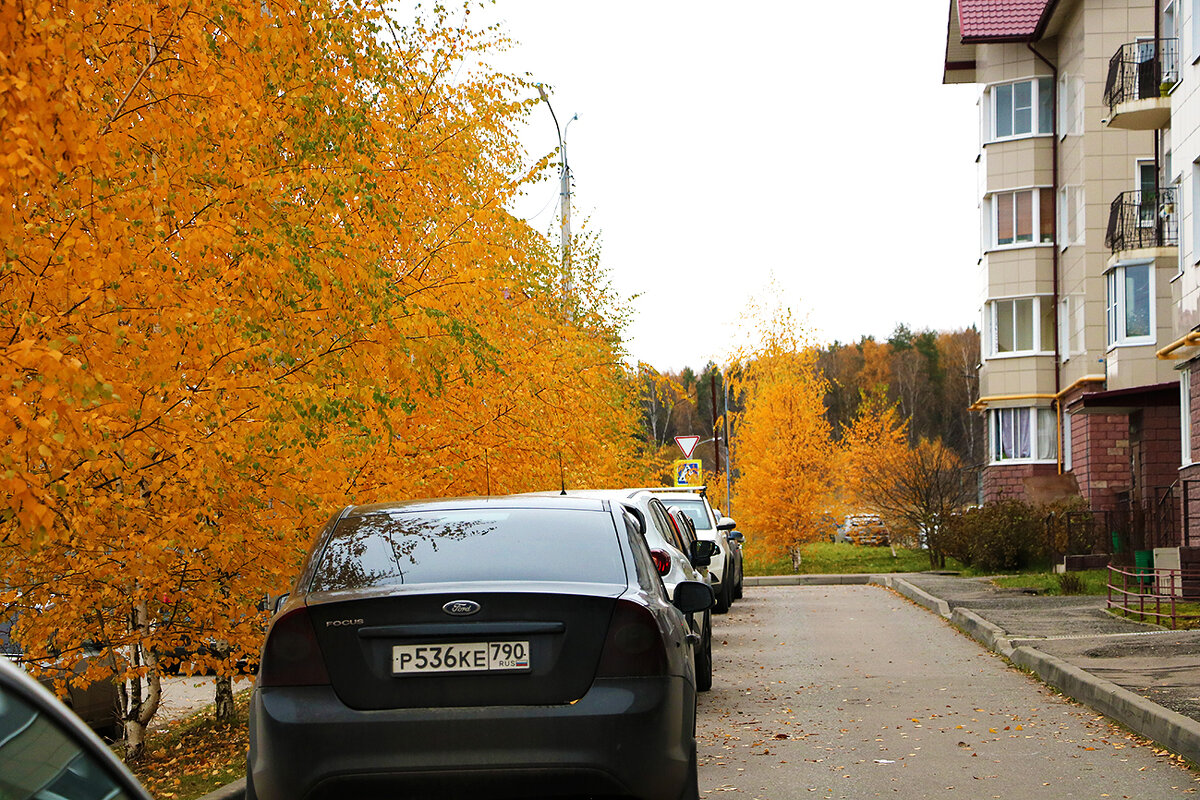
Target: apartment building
1080, 260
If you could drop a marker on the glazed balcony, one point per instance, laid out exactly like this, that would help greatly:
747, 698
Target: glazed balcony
1142, 220
1140, 78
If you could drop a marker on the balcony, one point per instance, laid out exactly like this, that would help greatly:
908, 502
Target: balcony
1140, 78
1142, 220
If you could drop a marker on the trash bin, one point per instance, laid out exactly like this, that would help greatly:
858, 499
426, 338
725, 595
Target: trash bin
1116, 541
1143, 566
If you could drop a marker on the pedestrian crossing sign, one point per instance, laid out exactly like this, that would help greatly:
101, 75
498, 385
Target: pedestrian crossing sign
687, 472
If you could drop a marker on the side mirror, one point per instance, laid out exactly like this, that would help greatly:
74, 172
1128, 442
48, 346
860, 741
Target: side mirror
726, 524
48, 752
279, 601
692, 597
702, 552
736, 536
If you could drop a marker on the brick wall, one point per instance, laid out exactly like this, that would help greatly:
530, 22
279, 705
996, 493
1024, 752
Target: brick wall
1012, 481
1100, 457
1159, 435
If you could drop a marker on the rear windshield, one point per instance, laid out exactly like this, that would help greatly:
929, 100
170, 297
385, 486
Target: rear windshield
520, 544
695, 511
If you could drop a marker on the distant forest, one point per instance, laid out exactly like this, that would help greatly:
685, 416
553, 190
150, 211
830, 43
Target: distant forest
931, 376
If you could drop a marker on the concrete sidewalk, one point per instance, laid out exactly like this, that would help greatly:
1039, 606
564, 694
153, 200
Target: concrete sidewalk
1139, 675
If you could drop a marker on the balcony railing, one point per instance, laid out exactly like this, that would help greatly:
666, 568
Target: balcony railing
1141, 70
1142, 219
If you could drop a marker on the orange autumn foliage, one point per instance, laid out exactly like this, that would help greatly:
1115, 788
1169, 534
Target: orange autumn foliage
257, 266
784, 452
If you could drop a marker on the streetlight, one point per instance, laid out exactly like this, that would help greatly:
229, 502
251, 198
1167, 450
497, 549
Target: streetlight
564, 194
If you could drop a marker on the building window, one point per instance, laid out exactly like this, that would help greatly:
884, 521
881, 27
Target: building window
1023, 434
1185, 414
1023, 108
1022, 217
1072, 225
1195, 209
1129, 307
1070, 104
1021, 326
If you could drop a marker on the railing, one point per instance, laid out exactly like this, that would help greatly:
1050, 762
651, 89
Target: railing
1154, 594
1142, 219
1141, 70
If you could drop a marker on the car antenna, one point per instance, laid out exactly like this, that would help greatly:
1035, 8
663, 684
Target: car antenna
562, 477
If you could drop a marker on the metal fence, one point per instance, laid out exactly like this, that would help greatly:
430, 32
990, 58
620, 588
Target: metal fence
1142, 218
1141, 70
1155, 595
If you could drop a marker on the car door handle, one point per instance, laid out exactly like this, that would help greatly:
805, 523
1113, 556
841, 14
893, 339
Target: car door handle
693, 638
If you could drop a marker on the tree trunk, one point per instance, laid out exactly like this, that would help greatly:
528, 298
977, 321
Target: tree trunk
224, 698
141, 707
794, 552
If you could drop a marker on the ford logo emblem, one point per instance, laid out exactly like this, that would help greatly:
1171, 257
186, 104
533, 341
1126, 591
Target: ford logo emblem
461, 608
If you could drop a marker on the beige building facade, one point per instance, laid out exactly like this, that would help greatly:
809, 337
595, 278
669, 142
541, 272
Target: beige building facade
1078, 281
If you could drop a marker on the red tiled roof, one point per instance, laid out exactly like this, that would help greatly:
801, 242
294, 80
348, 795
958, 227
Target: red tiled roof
999, 19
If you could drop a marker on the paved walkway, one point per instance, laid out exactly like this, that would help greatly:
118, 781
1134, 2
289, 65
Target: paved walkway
1140, 675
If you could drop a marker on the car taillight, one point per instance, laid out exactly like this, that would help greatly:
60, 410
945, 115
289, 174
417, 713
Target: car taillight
291, 656
634, 645
662, 561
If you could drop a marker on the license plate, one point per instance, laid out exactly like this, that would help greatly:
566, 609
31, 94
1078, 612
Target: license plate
425, 659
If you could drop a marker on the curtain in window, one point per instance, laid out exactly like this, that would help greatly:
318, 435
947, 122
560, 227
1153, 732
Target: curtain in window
1024, 437
1024, 216
1047, 434
1046, 219
1004, 218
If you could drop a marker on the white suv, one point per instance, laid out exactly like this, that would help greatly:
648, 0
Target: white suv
723, 569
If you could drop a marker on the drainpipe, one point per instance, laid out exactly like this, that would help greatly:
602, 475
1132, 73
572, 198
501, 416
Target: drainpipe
1054, 297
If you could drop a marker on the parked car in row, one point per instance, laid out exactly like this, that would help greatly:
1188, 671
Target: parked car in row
678, 556
726, 567
518, 646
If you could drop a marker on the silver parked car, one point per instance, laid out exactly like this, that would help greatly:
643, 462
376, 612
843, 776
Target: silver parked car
508, 647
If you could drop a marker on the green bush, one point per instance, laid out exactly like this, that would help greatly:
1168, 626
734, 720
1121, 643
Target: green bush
1070, 583
1003, 536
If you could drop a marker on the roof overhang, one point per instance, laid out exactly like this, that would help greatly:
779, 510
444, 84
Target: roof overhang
1127, 401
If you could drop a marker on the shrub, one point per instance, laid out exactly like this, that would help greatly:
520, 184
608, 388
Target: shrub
1008, 535
1070, 583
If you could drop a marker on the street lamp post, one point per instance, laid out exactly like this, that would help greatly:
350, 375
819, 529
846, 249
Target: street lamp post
564, 175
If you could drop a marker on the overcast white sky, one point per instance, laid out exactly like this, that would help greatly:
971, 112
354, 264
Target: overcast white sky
720, 143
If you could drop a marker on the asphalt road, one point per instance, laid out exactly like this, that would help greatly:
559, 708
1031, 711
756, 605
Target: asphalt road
854, 692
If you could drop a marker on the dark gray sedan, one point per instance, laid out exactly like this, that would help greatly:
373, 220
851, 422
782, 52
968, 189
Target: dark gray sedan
499, 647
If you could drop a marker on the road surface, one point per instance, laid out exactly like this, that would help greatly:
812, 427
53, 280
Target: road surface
854, 692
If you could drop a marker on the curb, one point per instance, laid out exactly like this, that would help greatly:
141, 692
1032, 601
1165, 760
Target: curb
918, 596
230, 791
807, 580
1173, 730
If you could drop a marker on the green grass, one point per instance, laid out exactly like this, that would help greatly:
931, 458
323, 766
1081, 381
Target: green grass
824, 558
1095, 581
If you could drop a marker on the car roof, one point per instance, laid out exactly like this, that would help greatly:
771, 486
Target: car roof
546, 500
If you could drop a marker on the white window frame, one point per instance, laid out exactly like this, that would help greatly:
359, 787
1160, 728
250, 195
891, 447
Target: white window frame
1067, 462
1035, 122
1195, 40
992, 204
1185, 416
996, 307
1115, 304
1035, 420
1064, 328
1072, 211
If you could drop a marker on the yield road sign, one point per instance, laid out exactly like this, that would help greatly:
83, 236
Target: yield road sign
687, 444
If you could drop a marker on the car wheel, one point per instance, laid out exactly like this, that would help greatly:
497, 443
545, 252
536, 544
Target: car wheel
737, 588
725, 596
704, 661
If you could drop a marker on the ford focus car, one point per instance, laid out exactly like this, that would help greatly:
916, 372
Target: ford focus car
499, 647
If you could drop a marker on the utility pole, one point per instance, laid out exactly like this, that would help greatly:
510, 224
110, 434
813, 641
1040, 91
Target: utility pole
717, 433
564, 195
